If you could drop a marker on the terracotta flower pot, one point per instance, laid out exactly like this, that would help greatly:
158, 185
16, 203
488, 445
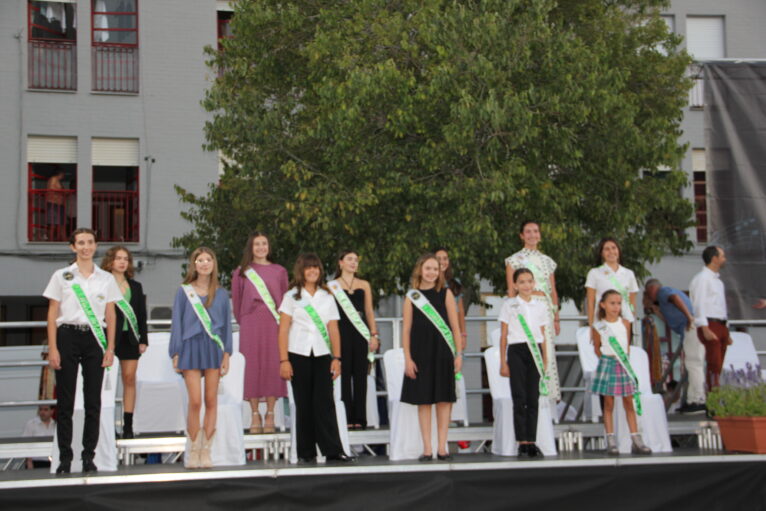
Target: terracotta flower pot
743, 434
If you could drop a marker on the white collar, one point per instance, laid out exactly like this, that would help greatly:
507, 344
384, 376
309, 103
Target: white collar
714, 274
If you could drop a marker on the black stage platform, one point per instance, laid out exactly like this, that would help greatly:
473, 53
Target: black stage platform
683, 480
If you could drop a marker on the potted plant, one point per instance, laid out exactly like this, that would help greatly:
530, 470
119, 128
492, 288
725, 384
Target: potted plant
739, 408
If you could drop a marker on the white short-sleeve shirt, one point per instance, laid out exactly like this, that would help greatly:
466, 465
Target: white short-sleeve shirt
305, 338
616, 330
100, 288
599, 279
535, 313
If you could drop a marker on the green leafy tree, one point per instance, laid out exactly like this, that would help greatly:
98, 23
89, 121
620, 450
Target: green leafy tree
394, 127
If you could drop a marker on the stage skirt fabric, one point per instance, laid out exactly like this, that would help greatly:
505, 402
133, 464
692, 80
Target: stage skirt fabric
612, 379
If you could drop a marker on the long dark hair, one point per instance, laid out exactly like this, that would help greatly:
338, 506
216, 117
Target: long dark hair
309, 260
600, 250
247, 252
453, 284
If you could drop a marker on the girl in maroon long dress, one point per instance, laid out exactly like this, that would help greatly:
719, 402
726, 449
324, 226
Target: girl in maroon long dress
258, 328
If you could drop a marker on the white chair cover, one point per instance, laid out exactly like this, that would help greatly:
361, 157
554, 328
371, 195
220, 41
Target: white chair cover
653, 424
160, 391
229, 444
373, 417
588, 364
340, 415
494, 337
405, 442
503, 434
740, 352
106, 449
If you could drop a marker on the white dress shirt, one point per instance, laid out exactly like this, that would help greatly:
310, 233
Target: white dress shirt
305, 338
599, 279
535, 313
100, 288
616, 330
708, 297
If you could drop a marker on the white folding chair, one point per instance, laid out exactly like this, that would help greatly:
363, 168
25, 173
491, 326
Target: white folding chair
740, 352
160, 391
653, 424
340, 415
106, 449
588, 364
503, 434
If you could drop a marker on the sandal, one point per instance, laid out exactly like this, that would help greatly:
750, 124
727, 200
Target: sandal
256, 428
269, 427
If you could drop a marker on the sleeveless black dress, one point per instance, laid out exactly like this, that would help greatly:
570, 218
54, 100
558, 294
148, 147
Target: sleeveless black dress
354, 362
435, 379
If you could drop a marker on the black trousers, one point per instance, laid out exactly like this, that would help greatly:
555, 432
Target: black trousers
353, 384
78, 347
525, 391
315, 419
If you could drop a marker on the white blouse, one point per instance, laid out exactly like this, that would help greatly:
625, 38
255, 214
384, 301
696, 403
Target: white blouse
617, 330
599, 279
100, 288
535, 313
305, 338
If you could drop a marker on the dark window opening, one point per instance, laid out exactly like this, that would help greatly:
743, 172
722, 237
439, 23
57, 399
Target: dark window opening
116, 203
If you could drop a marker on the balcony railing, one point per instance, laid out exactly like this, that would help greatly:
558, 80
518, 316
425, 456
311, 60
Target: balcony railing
697, 93
52, 214
115, 68
52, 65
115, 216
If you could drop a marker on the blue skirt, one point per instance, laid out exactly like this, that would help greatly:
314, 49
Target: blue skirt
199, 352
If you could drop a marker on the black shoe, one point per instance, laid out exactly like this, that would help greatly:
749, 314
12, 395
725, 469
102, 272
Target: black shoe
444, 457
88, 466
308, 459
64, 467
127, 433
426, 457
341, 457
523, 449
692, 409
533, 451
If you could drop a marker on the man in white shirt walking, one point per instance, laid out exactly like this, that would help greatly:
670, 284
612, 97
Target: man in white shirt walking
710, 315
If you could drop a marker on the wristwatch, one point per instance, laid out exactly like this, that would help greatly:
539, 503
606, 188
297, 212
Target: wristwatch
336, 358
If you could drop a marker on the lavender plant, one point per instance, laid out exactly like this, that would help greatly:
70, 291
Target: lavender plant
742, 393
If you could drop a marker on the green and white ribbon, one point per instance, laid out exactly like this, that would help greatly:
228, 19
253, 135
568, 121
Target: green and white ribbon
317, 320
263, 290
534, 349
428, 310
622, 357
93, 322
202, 315
353, 315
612, 276
130, 315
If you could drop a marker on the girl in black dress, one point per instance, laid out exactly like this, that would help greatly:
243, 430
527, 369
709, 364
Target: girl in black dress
430, 366
354, 347
128, 346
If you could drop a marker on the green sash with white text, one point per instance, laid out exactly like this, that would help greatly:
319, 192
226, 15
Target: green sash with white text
93, 322
317, 320
428, 310
202, 315
263, 290
534, 349
130, 315
353, 315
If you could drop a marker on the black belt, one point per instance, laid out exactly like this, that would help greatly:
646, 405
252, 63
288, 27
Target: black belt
716, 320
78, 328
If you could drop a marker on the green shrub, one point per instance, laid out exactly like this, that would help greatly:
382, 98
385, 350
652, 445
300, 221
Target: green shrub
732, 401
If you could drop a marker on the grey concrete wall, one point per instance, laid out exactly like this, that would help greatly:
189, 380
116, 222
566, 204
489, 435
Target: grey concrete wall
165, 116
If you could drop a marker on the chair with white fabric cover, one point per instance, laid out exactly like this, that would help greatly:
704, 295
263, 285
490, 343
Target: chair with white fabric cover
373, 416
503, 434
405, 441
653, 424
588, 364
229, 444
160, 391
340, 415
494, 337
106, 449
741, 352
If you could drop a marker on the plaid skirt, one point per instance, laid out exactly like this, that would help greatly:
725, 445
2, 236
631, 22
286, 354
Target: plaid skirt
612, 379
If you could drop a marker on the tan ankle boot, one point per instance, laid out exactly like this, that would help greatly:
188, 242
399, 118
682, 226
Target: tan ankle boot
192, 457
204, 456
